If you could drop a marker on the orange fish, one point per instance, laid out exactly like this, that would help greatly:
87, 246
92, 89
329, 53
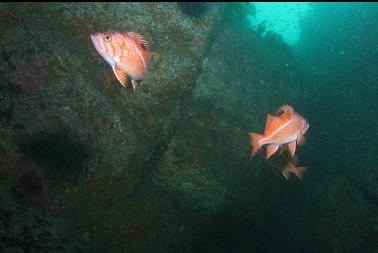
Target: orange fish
287, 165
128, 54
287, 127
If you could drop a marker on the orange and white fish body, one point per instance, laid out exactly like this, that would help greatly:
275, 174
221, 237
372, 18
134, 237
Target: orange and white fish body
288, 127
127, 53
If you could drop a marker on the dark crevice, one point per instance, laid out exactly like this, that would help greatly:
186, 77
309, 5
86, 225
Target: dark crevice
61, 155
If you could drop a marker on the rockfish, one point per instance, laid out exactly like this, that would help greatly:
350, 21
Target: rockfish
287, 127
127, 53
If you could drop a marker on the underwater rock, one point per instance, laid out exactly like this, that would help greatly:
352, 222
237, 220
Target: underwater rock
167, 167
60, 155
53, 63
29, 183
77, 124
194, 9
167, 162
206, 170
236, 14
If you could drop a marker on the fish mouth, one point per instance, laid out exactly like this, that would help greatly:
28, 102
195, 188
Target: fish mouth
97, 44
94, 40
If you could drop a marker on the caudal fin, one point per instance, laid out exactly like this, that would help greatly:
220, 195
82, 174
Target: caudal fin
255, 141
298, 171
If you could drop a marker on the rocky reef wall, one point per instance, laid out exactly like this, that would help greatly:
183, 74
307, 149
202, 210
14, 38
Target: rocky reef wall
166, 168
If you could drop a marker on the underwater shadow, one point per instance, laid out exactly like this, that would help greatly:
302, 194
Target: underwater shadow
61, 155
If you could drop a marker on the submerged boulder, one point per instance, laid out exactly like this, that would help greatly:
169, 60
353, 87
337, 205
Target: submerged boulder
61, 112
54, 82
207, 171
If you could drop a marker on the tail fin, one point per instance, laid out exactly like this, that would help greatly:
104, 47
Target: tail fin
255, 141
298, 171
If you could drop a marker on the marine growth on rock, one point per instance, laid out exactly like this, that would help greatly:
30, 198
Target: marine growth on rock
193, 9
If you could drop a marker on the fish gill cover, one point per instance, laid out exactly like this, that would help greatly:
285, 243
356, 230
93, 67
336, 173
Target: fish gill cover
88, 165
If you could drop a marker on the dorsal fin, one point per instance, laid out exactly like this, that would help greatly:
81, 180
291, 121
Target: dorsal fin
269, 119
284, 109
140, 40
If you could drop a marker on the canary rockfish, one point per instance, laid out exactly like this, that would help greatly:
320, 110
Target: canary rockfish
128, 53
287, 127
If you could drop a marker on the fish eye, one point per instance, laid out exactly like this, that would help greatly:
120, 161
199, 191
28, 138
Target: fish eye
107, 38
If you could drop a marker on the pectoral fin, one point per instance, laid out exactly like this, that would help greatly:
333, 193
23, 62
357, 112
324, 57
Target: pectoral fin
121, 76
301, 140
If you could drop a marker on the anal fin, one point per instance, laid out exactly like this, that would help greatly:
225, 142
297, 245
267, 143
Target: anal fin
135, 84
270, 150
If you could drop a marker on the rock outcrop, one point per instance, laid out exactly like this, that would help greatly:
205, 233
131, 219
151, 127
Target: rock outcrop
166, 168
